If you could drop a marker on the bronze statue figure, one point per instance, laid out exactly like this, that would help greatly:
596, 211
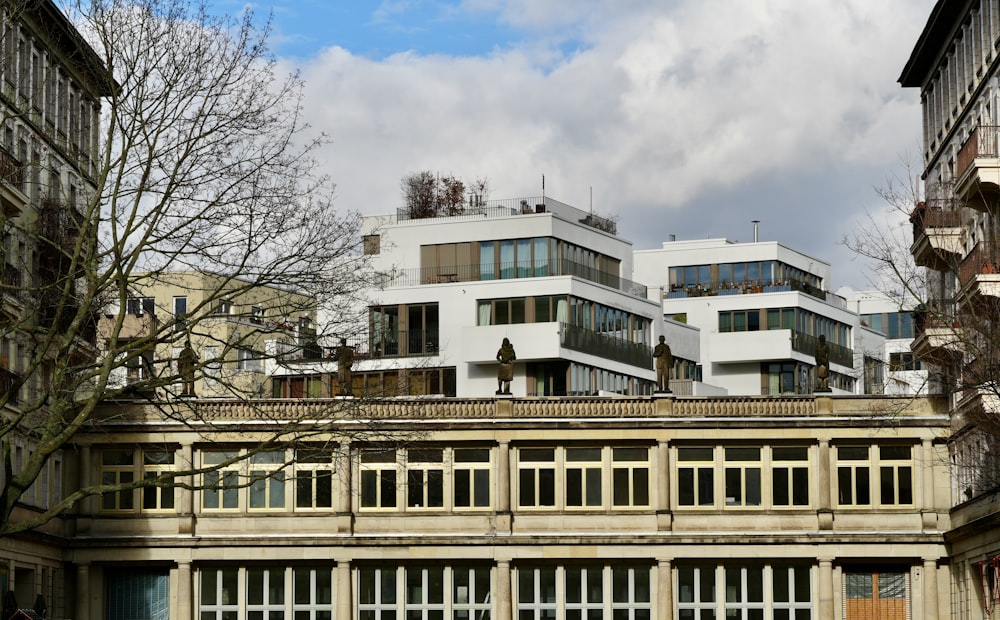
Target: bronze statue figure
345, 359
505, 375
664, 360
186, 362
822, 365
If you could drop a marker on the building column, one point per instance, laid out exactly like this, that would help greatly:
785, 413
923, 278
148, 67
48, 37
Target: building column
185, 596
824, 486
503, 475
662, 475
342, 466
928, 500
82, 592
930, 589
825, 606
344, 599
88, 505
664, 590
185, 502
504, 601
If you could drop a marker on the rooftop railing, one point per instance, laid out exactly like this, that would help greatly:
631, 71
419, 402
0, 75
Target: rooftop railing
510, 271
511, 207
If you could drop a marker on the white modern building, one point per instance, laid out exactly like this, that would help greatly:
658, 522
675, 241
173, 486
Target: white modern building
902, 372
760, 309
554, 280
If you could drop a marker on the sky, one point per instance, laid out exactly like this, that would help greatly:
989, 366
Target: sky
688, 118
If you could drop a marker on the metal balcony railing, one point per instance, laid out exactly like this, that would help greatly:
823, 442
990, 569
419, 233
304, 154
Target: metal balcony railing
509, 271
982, 142
934, 214
806, 344
606, 346
11, 170
984, 258
399, 343
9, 382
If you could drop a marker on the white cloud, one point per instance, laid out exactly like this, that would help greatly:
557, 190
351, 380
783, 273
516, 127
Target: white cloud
661, 107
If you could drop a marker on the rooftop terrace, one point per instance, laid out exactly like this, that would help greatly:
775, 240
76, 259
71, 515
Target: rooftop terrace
513, 207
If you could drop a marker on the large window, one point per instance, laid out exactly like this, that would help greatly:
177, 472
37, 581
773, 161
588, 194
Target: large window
696, 476
404, 329
118, 467
271, 480
744, 592
127, 466
222, 484
471, 478
219, 594
424, 592
887, 468
583, 592
745, 476
267, 480
313, 478
426, 478
378, 479
265, 593
156, 463
583, 477
742, 475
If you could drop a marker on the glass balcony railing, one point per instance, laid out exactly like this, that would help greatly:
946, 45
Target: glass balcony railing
510, 271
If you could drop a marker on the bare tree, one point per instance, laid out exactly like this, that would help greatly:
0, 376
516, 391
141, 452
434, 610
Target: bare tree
204, 166
922, 249
426, 195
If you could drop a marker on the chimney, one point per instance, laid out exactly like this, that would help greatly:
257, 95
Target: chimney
755, 223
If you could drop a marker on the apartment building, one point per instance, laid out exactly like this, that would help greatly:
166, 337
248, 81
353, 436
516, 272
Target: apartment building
552, 279
235, 329
899, 371
955, 65
760, 309
627, 507
51, 83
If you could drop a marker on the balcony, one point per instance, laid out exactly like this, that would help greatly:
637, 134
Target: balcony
550, 341
604, 345
746, 287
979, 278
978, 168
509, 271
746, 346
399, 343
9, 383
12, 196
937, 339
937, 234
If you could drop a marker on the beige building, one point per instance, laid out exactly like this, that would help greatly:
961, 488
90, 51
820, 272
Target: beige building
236, 329
687, 508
